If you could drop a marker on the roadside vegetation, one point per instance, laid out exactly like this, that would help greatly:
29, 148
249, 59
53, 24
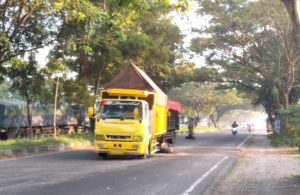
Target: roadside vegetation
283, 140
290, 118
30, 142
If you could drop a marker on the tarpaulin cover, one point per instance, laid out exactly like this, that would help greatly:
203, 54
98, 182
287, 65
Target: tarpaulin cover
14, 114
135, 78
174, 106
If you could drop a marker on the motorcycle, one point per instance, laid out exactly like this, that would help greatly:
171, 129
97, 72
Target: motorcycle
234, 130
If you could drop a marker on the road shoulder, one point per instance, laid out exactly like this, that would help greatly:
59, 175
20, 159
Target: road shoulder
262, 169
28, 151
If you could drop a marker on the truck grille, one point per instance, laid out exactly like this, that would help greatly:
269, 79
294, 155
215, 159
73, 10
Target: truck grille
118, 137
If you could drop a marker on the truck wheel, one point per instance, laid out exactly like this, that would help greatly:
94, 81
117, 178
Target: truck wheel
102, 155
170, 149
146, 152
144, 156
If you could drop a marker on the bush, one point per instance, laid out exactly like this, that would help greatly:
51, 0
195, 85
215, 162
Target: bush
292, 115
282, 139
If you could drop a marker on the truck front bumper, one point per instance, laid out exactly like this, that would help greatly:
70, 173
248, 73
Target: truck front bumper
119, 148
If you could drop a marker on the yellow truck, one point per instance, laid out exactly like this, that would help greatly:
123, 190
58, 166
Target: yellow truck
134, 117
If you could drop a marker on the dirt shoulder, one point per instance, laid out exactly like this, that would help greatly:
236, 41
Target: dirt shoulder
262, 169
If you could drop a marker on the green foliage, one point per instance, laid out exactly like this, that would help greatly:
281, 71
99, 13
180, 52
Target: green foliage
247, 41
7, 93
282, 139
25, 26
201, 98
94, 40
76, 94
26, 78
292, 115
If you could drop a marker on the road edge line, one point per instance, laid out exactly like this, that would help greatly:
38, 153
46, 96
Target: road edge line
244, 141
200, 179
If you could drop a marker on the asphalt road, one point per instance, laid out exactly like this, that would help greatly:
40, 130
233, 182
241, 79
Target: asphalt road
194, 167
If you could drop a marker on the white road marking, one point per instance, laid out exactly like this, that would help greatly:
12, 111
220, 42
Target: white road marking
240, 145
200, 179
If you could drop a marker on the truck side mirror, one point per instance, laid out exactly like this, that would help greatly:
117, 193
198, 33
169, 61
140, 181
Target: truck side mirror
91, 111
135, 112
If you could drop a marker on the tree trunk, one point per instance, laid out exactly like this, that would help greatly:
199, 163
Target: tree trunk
97, 86
82, 64
212, 119
218, 119
285, 100
29, 118
196, 117
55, 103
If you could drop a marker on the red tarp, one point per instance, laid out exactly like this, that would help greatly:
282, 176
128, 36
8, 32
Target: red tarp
174, 106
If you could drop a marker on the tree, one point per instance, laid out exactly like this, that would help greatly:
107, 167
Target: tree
222, 110
293, 9
54, 68
28, 81
27, 25
244, 39
199, 98
22, 27
6, 93
99, 46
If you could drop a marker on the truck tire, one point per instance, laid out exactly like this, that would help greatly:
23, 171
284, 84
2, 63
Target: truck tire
102, 155
144, 156
170, 149
146, 151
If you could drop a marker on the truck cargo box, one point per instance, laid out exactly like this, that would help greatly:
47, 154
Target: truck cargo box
135, 78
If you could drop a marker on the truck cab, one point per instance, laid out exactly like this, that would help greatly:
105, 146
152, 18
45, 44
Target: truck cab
122, 127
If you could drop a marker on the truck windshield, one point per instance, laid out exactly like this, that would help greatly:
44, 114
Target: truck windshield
120, 109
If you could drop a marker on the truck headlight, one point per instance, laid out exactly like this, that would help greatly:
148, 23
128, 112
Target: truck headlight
138, 138
99, 137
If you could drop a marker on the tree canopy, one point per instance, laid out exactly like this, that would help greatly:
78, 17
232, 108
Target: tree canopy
252, 45
201, 99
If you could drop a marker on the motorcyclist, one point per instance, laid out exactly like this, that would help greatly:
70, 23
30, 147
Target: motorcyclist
234, 124
234, 127
249, 127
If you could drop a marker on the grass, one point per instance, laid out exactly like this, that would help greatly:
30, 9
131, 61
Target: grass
296, 176
202, 129
250, 143
282, 140
27, 142
294, 153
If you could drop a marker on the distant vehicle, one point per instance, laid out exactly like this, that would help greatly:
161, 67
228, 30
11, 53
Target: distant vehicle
234, 130
249, 127
14, 120
135, 117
